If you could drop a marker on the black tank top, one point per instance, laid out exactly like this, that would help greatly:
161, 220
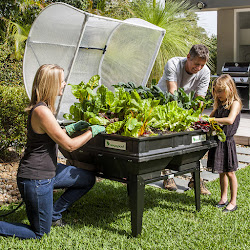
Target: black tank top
39, 160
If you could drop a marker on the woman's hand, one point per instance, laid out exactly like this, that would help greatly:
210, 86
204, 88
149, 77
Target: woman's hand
96, 129
72, 128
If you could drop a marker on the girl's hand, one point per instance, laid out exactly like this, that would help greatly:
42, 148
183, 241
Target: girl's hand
207, 118
234, 111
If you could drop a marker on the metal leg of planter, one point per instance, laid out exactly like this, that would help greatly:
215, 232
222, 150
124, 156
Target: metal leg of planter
197, 188
136, 200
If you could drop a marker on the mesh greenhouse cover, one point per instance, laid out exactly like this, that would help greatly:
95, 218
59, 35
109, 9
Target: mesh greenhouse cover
85, 45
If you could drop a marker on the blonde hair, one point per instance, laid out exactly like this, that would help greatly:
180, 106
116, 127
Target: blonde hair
226, 83
46, 86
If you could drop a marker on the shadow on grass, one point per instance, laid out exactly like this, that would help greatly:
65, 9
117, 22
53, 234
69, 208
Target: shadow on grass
108, 202
106, 206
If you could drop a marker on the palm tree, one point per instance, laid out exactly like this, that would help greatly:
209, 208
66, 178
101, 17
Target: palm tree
18, 25
179, 21
212, 43
17, 34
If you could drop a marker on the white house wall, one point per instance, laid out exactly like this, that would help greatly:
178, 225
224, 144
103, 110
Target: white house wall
225, 37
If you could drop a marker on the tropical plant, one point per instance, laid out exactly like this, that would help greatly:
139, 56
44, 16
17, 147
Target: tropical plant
180, 22
17, 25
212, 44
17, 34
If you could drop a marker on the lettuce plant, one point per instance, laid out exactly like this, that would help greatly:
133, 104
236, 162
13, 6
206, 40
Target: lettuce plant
127, 112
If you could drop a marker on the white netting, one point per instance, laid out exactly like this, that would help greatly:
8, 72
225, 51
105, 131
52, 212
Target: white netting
86, 45
129, 56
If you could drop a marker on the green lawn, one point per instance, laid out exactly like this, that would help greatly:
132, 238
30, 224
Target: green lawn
101, 220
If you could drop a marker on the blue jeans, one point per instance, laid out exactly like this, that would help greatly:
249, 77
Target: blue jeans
38, 197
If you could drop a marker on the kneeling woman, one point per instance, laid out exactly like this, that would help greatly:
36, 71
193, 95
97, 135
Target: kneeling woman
38, 172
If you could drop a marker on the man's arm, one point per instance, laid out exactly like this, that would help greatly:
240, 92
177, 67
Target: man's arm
204, 84
168, 81
171, 86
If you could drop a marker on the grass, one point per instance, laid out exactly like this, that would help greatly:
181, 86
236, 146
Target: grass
101, 220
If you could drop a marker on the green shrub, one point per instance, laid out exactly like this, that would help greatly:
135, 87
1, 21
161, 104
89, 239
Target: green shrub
13, 119
11, 70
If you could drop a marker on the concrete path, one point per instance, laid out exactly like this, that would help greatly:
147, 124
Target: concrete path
243, 133
243, 154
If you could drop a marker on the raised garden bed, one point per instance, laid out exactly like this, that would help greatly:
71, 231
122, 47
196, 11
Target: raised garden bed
138, 161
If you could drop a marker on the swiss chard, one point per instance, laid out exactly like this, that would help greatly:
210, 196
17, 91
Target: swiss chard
130, 110
212, 128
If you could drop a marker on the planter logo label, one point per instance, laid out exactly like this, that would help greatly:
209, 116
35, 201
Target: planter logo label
115, 144
198, 138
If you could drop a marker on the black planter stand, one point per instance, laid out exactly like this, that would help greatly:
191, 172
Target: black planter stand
136, 188
141, 162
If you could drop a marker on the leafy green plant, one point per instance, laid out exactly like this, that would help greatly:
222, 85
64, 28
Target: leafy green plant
141, 112
175, 118
212, 128
13, 101
98, 107
153, 92
184, 100
11, 69
127, 111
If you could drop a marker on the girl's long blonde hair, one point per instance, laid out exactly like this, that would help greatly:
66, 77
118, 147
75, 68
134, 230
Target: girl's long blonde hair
226, 83
46, 86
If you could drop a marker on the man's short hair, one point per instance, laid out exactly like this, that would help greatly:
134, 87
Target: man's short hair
199, 50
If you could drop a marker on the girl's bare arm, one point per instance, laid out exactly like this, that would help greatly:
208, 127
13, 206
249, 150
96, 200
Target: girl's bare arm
229, 120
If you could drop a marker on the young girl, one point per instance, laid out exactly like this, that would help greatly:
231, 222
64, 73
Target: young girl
223, 158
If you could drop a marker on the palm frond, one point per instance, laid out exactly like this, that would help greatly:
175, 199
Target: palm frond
17, 34
179, 21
